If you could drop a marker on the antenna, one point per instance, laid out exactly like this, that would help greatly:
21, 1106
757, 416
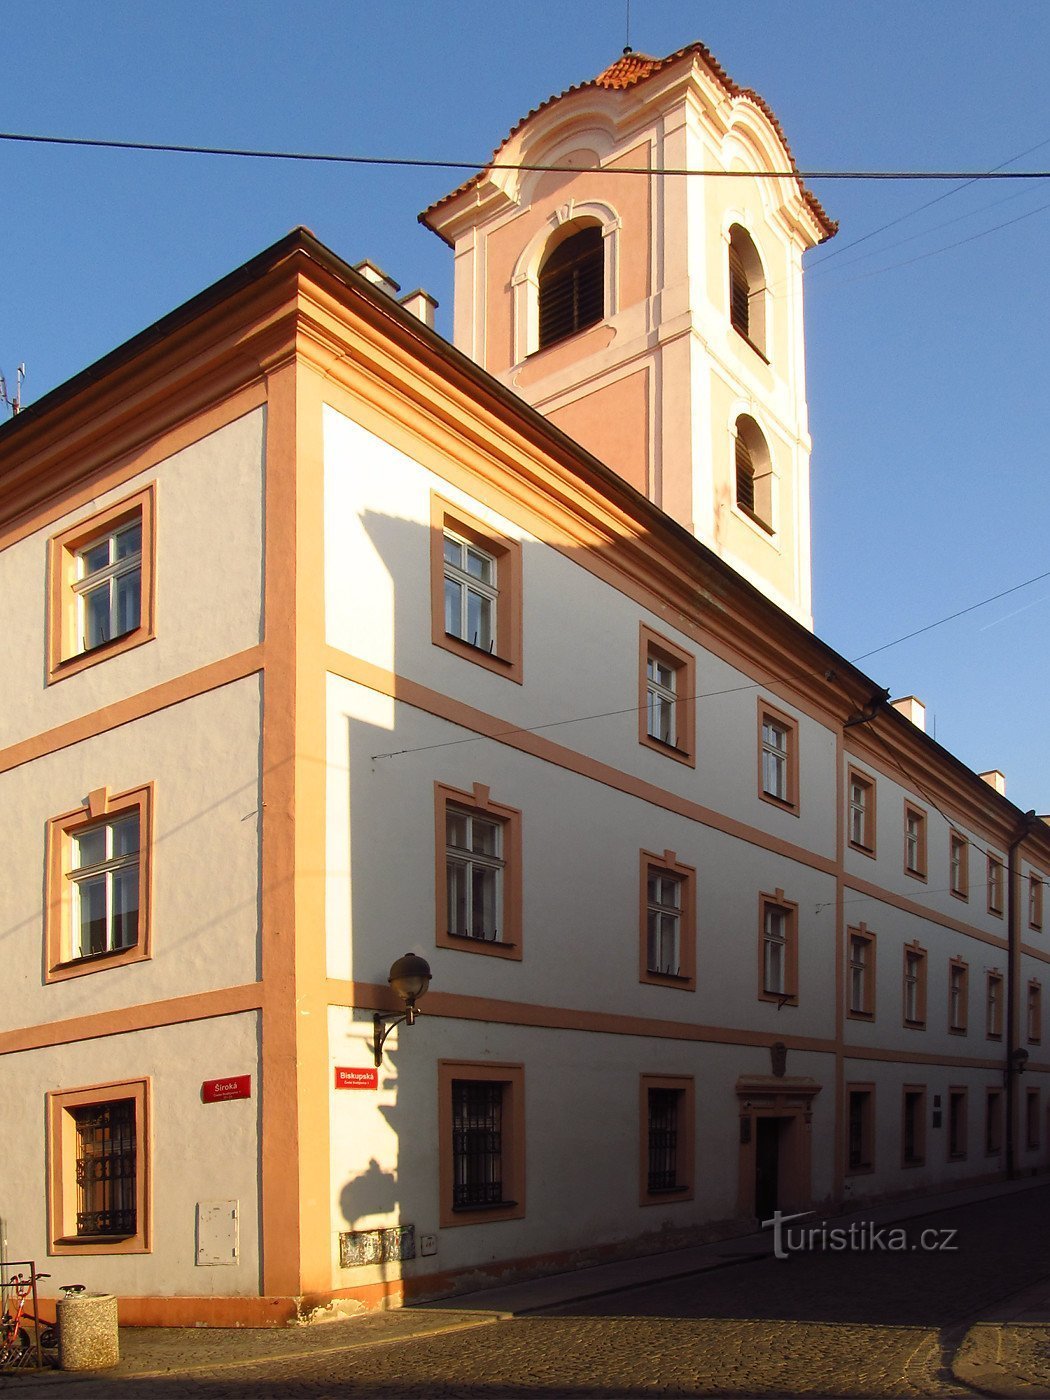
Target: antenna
627, 47
14, 404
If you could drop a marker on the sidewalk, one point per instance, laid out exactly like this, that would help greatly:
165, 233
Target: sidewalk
1003, 1351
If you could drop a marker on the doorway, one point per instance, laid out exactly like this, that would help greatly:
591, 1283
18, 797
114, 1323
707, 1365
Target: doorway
767, 1166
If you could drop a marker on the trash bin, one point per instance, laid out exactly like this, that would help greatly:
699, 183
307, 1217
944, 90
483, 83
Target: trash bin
87, 1332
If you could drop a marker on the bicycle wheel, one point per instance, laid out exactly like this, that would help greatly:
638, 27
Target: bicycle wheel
17, 1351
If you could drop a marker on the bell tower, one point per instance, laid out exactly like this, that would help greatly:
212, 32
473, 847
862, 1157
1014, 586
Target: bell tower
655, 316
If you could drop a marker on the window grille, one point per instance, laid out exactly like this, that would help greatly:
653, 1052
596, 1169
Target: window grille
663, 1139
572, 286
106, 1168
477, 1143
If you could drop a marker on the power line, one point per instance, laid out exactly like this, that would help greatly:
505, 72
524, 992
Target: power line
419, 163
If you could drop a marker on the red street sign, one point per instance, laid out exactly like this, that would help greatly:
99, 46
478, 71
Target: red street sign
219, 1090
356, 1078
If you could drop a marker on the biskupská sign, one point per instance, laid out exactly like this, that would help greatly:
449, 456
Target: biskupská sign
356, 1078
220, 1090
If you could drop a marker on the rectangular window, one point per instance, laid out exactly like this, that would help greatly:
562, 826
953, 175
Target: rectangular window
1035, 900
914, 996
959, 865
666, 1167
98, 884
861, 973
958, 996
995, 885
1031, 1119
913, 1133
475, 584
666, 697
994, 1006
1035, 1013
98, 1145
778, 949
481, 1136
861, 816
993, 1122
101, 593
668, 931
914, 841
778, 758
860, 1123
478, 873
957, 1124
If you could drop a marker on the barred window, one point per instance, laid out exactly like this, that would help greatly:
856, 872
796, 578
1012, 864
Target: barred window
663, 1140
477, 1143
572, 286
106, 1168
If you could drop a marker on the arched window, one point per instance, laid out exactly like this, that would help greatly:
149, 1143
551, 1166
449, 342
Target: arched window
754, 474
572, 285
747, 289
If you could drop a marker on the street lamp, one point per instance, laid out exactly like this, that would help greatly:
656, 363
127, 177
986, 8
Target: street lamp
409, 977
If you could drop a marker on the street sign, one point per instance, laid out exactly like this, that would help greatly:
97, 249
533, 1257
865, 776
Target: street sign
221, 1090
357, 1078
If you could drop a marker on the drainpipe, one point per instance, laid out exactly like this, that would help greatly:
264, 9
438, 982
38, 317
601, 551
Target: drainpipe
1013, 965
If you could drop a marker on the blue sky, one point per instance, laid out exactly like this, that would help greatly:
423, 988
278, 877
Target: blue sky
927, 363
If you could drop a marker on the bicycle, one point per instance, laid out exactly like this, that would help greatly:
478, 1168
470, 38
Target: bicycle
16, 1347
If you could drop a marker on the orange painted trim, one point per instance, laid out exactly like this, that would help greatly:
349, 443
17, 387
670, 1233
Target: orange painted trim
912, 906
512, 1141
64, 658
683, 664
685, 978
62, 1169
58, 964
766, 713
506, 552
421, 697
918, 1057
509, 819
147, 702
123, 1020
684, 1085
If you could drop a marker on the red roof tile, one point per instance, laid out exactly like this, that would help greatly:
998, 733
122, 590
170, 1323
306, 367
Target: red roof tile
628, 70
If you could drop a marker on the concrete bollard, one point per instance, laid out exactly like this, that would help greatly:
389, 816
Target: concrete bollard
87, 1332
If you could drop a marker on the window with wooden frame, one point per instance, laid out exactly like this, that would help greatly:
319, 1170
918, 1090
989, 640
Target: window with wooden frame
914, 987
101, 591
667, 955
778, 949
958, 996
475, 590
860, 1003
572, 284
747, 290
993, 1122
666, 697
99, 1169
913, 1125
1031, 1119
753, 475
860, 1128
914, 841
957, 1124
1034, 1013
481, 1142
861, 811
996, 873
478, 872
666, 1133
994, 1005
1035, 901
98, 884
777, 758
958, 865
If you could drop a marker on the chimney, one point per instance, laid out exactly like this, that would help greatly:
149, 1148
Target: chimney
421, 304
996, 780
377, 277
911, 709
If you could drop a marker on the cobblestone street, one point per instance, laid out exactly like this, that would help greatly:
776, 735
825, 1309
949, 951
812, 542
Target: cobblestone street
866, 1323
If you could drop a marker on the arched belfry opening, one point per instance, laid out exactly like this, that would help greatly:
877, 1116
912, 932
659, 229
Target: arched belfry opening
645, 315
